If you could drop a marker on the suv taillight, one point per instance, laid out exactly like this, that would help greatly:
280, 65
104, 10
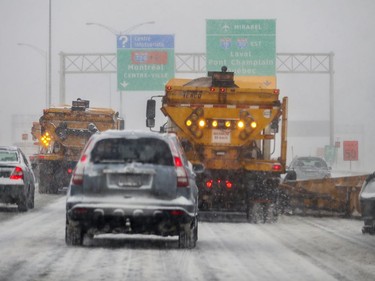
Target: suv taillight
17, 174
77, 177
182, 179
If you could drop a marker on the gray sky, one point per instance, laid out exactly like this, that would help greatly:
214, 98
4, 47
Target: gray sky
344, 27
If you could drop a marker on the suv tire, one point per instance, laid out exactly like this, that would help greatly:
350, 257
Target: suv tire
188, 236
73, 235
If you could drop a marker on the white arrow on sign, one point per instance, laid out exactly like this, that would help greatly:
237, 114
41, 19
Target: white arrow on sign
124, 84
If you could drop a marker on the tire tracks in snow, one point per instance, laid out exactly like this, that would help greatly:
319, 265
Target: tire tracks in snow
327, 249
365, 244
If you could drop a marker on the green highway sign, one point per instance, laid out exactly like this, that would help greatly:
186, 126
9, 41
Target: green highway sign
330, 152
144, 62
246, 47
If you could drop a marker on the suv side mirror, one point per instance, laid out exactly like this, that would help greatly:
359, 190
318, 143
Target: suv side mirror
150, 113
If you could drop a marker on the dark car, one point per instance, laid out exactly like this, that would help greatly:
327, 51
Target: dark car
367, 203
308, 167
17, 181
132, 182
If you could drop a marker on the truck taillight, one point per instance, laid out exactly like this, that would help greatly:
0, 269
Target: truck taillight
219, 183
209, 183
276, 167
228, 184
17, 174
182, 179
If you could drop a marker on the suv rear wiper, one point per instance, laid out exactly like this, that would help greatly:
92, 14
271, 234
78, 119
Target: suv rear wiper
109, 161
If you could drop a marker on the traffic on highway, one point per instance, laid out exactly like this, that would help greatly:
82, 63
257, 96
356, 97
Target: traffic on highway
208, 140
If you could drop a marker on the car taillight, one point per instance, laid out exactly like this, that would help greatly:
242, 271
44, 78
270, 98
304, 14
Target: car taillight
182, 179
17, 174
77, 177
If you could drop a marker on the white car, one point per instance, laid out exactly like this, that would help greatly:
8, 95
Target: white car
308, 167
17, 180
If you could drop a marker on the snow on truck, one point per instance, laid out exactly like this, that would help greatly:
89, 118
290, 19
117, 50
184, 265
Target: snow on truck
232, 131
62, 132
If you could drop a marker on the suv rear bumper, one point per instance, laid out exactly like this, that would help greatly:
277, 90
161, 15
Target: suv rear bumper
160, 217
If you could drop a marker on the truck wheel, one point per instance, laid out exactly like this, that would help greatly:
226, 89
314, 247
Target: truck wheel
47, 178
73, 235
253, 212
270, 213
43, 183
41, 187
188, 236
57, 184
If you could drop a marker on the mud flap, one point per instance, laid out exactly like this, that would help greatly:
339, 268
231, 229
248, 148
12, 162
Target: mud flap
262, 202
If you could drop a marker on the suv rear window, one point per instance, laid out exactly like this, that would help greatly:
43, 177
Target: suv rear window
143, 150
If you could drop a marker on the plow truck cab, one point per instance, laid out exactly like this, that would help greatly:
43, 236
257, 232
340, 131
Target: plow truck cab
61, 134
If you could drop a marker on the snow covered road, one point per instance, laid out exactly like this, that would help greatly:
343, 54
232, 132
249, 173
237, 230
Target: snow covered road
32, 247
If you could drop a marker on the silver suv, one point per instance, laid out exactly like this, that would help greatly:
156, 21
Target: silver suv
132, 182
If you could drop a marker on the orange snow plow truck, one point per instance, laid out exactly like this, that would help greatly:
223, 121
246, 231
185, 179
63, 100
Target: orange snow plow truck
231, 128
62, 132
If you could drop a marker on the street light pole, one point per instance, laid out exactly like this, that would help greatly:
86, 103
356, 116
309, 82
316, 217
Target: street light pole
115, 32
118, 33
44, 55
49, 54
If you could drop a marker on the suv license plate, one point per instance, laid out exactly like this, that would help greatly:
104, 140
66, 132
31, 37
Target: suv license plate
129, 181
